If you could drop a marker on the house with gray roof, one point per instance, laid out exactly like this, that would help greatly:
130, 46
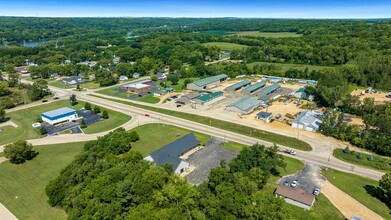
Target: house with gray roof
308, 120
245, 105
171, 153
253, 88
237, 86
207, 83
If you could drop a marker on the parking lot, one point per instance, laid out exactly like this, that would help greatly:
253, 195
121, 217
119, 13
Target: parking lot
206, 159
309, 178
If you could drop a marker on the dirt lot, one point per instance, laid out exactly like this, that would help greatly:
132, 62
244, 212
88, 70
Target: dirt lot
380, 98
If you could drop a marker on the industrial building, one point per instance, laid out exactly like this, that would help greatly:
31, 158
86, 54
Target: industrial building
209, 97
301, 93
257, 86
59, 115
308, 120
268, 90
238, 85
142, 86
296, 196
171, 153
245, 105
207, 83
185, 99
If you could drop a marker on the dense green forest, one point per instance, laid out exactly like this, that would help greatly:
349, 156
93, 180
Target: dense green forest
107, 181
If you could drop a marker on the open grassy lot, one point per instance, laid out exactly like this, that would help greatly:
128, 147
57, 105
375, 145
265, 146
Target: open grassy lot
109, 91
90, 85
322, 209
22, 187
226, 46
59, 84
355, 186
149, 99
179, 87
240, 129
155, 136
26, 117
378, 162
267, 34
283, 67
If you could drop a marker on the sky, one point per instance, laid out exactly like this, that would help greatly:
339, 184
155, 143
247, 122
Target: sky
201, 8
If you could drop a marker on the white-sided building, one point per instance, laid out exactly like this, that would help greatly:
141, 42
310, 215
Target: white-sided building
59, 115
308, 121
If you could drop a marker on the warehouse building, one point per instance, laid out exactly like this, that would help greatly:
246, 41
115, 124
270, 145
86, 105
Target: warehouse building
171, 153
268, 90
244, 106
185, 99
59, 115
257, 86
308, 120
207, 83
209, 97
296, 196
238, 85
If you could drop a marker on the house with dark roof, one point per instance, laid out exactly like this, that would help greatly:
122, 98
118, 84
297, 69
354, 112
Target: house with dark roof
237, 86
265, 116
245, 105
73, 80
171, 153
207, 83
296, 196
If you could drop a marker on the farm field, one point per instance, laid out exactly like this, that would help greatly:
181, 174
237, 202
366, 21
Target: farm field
356, 186
226, 46
266, 34
26, 117
283, 67
22, 187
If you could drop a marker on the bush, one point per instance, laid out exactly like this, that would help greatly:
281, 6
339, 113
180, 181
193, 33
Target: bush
105, 114
87, 106
97, 109
42, 130
346, 150
19, 152
359, 156
83, 124
370, 158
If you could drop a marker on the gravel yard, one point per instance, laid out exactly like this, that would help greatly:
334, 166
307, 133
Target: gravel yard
206, 159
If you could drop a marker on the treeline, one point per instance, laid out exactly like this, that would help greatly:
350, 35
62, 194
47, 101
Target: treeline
107, 181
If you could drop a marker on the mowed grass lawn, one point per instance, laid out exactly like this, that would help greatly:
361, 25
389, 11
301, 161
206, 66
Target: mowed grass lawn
149, 99
22, 187
354, 186
108, 91
378, 163
226, 46
283, 67
26, 117
267, 34
322, 209
155, 136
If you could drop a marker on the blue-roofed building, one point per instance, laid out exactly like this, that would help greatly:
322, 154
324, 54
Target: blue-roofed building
245, 105
59, 115
171, 153
207, 83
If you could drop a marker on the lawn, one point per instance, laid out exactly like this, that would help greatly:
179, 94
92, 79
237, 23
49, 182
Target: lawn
59, 84
354, 186
266, 34
162, 135
26, 117
226, 46
229, 126
379, 163
179, 87
283, 67
149, 99
109, 91
90, 85
322, 209
22, 187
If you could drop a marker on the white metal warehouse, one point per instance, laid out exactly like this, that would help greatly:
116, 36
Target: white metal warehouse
59, 115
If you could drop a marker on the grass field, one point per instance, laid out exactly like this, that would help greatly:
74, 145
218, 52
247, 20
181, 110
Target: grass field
240, 129
266, 34
215, 32
378, 163
90, 85
155, 136
149, 99
283, 67
354, 186
59, 84
109, 91
22, 187
25, 118
322, 209
226, 46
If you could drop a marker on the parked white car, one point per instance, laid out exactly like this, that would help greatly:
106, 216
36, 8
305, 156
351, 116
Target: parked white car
36, 125
316, 191
294, 183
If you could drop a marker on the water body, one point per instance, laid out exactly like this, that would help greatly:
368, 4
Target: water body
28, 44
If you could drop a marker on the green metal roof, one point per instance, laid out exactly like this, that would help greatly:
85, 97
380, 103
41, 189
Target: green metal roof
238, 85
270, 89
210, 80
211, 96
301, 89
254, 87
